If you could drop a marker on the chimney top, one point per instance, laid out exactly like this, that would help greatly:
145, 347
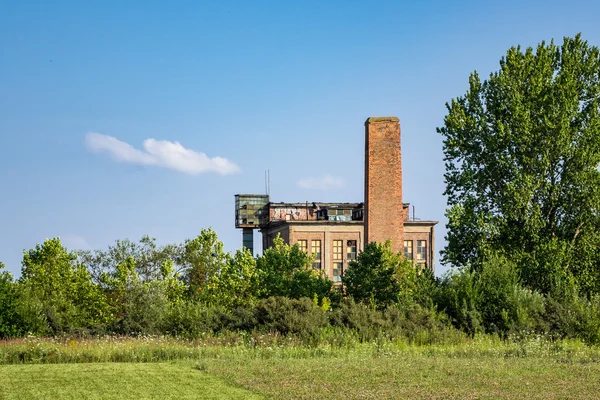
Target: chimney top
372, 120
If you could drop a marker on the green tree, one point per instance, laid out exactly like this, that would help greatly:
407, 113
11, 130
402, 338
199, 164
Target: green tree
201, 259
380, 277
148, 257
10, 323
237, 282
70, 300
522, 151
139, 306
286, 271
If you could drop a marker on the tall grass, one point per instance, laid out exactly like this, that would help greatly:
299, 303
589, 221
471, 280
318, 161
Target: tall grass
330, 343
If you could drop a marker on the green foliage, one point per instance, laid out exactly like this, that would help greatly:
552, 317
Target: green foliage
139, 281
281, 315
148, 258
139, 306
70, 300
426, 289
10, 324
290, 316
192, 319
379, 277
522, 151
171, 282
491, 300
32, 313
279, 298
458, 299
407, 322
237, 283
202, 258
575, 316
286, 271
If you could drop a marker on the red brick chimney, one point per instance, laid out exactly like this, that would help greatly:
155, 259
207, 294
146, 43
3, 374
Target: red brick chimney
383, 215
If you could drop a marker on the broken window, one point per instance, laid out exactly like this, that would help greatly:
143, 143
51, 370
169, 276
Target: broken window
351, 250
315, 249
338, 262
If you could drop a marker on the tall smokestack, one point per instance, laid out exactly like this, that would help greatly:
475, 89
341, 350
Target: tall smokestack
383, 215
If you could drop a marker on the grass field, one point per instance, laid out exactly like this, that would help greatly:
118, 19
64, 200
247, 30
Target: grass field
412, 377
484, 368
114, 381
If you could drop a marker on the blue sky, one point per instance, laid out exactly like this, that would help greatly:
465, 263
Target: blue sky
125, 118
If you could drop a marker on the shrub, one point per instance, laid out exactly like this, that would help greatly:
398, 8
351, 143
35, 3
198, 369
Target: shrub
491, 299
142, 310
575, 317
192, 319
457, 297
368, 322
290, 316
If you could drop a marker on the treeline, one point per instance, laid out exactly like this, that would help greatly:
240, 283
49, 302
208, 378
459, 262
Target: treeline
195, 289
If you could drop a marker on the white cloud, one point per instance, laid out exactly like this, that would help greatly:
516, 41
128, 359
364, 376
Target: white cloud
161, 153
324, 183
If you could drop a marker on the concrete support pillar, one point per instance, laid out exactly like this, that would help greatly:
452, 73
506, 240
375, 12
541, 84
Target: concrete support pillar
248, 239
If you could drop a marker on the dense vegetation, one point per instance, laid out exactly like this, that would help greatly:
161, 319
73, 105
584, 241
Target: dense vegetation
195, 289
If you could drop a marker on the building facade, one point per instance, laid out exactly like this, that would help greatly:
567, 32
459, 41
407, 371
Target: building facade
325, 231
335, 233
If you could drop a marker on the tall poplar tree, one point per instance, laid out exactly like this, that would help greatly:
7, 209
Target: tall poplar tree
522, 151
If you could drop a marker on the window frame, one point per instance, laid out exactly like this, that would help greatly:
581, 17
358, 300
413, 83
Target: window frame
409, 250
351, 256
304, 247
317, 263
421, 250
337, 267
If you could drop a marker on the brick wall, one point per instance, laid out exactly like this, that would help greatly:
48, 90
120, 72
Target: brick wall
384, 214
415, 231
327, 233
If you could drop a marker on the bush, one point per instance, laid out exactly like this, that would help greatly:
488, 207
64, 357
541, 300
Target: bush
411, 323
458, 299
368, 322
290, 316
142, 310
492, 299
575, 317
193, 319
273, 315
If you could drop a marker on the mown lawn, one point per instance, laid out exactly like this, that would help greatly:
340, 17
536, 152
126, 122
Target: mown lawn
114, 381
352, 377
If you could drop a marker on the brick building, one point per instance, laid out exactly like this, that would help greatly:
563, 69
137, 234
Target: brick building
336, 232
